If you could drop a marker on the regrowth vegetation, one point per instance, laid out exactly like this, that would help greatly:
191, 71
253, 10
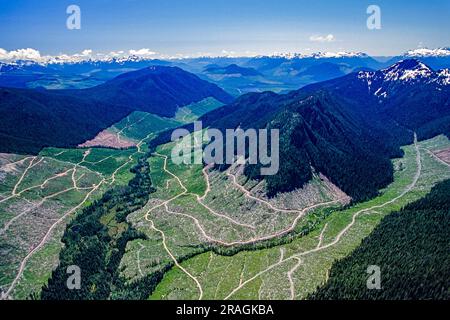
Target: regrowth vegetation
417, 238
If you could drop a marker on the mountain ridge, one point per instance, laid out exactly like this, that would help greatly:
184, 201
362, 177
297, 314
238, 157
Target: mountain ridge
340, 127
32, 119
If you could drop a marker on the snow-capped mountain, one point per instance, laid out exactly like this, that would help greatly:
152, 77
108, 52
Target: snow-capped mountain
405, 72
425, 52
317, 55
406, 95
96, 60
435, 58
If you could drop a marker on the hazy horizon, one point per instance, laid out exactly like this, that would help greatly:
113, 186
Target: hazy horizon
220, 28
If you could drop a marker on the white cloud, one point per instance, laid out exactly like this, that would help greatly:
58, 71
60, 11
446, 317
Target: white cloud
327, 38
35, 55
86, 52
228, 53
144, 52
20, 54
116, 53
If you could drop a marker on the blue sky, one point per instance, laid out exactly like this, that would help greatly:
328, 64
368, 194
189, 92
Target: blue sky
215, 27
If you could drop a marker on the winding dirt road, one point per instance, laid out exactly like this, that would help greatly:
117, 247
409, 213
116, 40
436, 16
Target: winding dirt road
210, 238
152, 225
75, 186
45, 238
339, 236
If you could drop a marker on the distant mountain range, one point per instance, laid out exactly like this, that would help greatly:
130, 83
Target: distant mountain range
237, 75
435, 58
409, 92
232, 69
32, 119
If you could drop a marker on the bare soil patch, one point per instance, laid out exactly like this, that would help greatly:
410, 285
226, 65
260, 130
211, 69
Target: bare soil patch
108, 139
444, 155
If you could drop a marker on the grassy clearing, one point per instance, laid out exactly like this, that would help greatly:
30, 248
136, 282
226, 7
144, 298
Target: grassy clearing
190, 175
58, 181
193, 111
101, 160
220, 275
138, 125
183, 236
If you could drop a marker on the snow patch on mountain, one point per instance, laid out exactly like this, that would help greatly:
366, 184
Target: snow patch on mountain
425, 52
341, 54
318, 55
380, 93
367, 77
443, 77
407, 70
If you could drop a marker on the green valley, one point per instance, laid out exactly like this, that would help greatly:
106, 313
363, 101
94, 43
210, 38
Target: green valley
296, 269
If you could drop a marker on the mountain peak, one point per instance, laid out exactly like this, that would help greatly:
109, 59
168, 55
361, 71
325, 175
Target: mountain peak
407, 70
151, 71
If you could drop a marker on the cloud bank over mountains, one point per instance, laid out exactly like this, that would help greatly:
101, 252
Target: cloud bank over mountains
30, 54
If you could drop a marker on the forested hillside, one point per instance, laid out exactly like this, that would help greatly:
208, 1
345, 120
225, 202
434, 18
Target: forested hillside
32, 119
315, 132
157, 89
410, 246
346, 128
408, 94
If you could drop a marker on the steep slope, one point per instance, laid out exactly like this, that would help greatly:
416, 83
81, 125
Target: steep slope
346, 128
408, 94
384, 107
318, 133
417, 238
32, 119
158, 89
315, 132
